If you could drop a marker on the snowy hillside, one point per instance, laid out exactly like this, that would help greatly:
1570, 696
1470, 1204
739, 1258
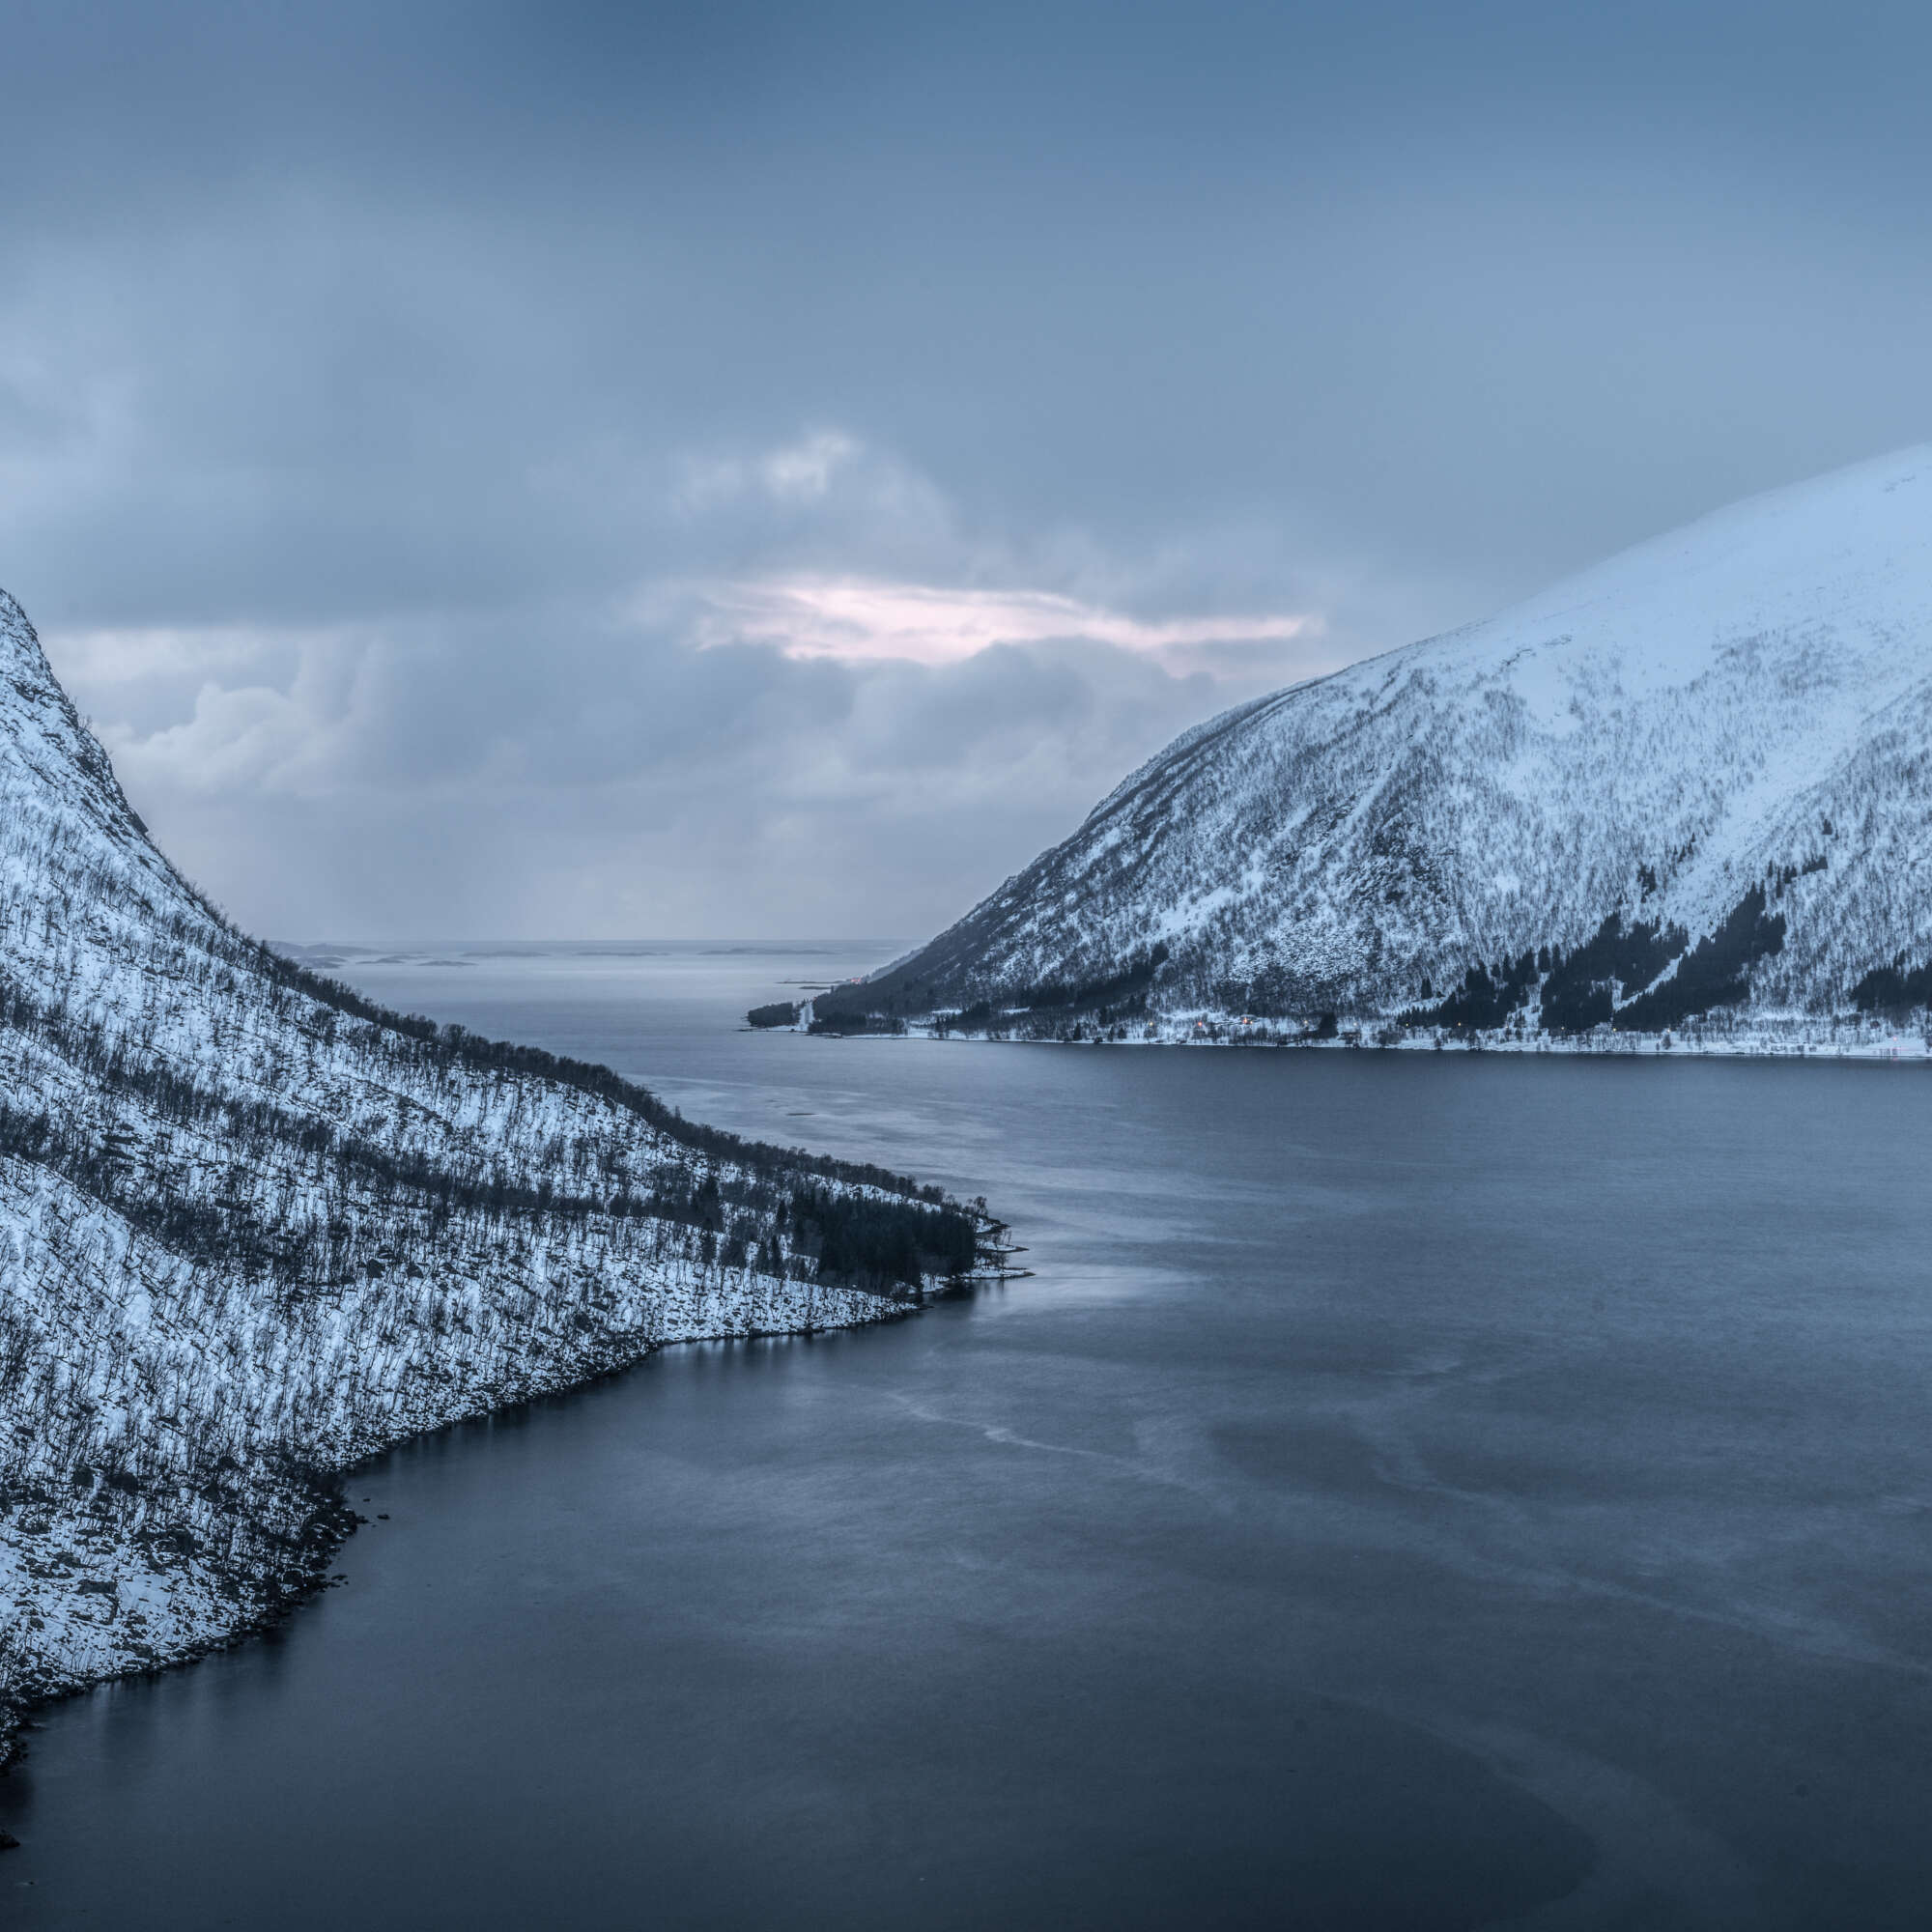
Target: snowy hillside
1693, 781
252, 1228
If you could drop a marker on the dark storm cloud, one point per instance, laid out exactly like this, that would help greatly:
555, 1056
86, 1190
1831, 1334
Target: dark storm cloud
436, 440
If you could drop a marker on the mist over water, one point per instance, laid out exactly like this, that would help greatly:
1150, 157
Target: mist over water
1412, 1491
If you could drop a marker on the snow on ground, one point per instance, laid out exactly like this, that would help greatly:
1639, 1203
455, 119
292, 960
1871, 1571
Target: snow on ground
252, 1231
1744, 699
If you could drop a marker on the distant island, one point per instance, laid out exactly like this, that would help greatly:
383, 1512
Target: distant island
1682, 802
258, 1228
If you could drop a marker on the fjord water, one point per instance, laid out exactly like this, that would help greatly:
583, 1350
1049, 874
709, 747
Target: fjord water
1411, 1492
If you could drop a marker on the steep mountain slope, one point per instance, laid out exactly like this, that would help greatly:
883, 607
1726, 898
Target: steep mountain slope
1691, 780
252, 1228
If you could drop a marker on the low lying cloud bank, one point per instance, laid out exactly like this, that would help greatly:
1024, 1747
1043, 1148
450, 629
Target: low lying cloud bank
689, 764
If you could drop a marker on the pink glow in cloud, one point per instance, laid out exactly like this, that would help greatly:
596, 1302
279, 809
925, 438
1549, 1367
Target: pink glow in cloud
855, 617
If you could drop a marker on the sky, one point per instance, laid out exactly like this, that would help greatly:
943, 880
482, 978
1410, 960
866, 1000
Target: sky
757, 471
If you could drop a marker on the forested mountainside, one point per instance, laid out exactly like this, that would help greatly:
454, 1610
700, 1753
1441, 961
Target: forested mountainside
1690, 787
253, 1228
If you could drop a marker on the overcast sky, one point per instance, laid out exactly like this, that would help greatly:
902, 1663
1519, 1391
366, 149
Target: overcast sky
767, 471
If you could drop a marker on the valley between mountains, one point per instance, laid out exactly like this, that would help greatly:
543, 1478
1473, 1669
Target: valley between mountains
254, 1228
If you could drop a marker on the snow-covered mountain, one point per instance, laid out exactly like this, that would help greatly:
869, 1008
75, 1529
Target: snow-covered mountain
253, 1228
1693, 781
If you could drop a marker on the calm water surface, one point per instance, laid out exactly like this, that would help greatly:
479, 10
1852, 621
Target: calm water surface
1413, 1492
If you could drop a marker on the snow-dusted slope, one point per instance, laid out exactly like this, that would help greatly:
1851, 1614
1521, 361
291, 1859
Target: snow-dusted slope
252, 1229
1731, 724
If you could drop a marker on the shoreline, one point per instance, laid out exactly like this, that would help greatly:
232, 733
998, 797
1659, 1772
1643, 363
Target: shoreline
271, 1598
1193, 1032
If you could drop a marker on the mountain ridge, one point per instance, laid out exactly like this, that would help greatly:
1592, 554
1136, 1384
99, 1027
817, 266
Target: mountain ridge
1743, 705
254, 1227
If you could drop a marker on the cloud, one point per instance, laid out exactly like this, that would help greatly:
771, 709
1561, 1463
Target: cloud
574, 770
861, 619
793, 473
487, 467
